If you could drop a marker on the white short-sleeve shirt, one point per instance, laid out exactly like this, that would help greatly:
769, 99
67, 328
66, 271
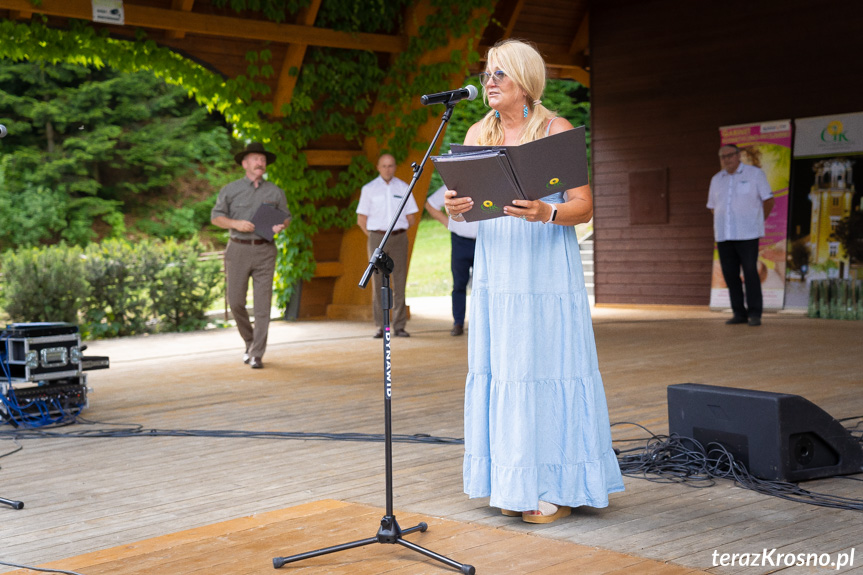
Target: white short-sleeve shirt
737, 201
379, 202
460, 228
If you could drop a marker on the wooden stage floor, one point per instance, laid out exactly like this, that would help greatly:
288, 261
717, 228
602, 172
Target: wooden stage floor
245, 547
191, 503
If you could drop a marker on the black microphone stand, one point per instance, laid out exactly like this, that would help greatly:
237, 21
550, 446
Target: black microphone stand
389, 531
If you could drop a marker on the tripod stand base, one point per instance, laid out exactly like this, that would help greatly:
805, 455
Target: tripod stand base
390, 533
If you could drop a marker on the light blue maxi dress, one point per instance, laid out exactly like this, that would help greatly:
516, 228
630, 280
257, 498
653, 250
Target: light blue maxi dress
536, 419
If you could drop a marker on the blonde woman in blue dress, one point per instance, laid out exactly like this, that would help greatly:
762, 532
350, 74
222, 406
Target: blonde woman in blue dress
537, 434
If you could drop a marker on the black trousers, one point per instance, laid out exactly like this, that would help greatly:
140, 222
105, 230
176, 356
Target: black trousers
734, 256
461, 262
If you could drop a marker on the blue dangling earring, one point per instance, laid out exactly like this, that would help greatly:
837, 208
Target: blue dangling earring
497, 114
526, 111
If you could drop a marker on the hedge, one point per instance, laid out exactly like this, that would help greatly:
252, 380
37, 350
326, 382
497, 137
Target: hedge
113, 288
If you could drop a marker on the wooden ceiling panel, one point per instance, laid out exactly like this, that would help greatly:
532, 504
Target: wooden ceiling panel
558, 28
549, 22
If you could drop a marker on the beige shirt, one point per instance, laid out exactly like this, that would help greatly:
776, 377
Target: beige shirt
239, 200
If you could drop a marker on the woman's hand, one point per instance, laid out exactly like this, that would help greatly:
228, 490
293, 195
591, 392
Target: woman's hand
529, 210
455, 206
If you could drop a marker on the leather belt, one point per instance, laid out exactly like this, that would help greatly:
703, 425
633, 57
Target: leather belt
250, 242
395, 232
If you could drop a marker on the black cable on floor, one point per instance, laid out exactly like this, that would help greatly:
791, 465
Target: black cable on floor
41, 569
117, 430
675, 459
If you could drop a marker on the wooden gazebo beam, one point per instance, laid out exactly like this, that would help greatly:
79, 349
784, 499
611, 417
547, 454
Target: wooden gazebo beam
182, 6
293, 60
581, 41
219, 26
513, 19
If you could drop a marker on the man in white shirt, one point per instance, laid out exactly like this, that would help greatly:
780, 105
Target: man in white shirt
463, 239
379, 201
740, 199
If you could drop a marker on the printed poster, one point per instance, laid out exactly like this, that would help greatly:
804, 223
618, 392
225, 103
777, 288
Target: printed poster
767, 146
825, 189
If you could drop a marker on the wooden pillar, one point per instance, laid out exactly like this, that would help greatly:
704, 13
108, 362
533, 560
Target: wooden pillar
349, 301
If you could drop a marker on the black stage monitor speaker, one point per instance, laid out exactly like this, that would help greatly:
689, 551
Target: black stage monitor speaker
777, 436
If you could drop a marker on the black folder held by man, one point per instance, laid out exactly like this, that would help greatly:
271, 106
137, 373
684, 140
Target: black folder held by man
494, 176
266, 217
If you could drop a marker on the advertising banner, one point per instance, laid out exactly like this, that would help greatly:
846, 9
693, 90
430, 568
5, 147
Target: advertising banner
767, 146
825, 191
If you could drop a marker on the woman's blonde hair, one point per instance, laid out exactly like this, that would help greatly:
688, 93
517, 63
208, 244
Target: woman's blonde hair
524, 65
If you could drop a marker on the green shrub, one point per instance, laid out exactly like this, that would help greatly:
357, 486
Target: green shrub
43, 284
112, 289
184, 287
119, 273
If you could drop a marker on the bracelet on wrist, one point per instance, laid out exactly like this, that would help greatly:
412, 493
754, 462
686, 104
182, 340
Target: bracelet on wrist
553, 215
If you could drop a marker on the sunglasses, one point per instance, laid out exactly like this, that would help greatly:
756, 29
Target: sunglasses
496, 77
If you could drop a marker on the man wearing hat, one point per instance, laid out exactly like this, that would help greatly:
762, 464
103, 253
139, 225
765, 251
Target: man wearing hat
250, 254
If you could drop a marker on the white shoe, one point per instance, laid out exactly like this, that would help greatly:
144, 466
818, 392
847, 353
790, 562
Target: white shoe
246, 357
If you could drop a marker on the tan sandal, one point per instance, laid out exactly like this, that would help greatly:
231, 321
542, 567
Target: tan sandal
510, 513
547, 513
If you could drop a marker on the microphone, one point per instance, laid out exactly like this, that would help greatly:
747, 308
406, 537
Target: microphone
3, 131
451, 97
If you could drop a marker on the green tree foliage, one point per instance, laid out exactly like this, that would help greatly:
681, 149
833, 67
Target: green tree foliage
849, 233
318, 107
798, 257
274, 10
88, 146
373, 16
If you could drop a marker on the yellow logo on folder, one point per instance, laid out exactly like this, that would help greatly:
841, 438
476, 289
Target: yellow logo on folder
488, 206
555, 183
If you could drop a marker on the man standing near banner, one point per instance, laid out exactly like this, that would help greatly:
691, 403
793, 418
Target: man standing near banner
740, 199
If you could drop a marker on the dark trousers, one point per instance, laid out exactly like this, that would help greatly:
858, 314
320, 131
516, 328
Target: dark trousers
461, 262
734, 255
